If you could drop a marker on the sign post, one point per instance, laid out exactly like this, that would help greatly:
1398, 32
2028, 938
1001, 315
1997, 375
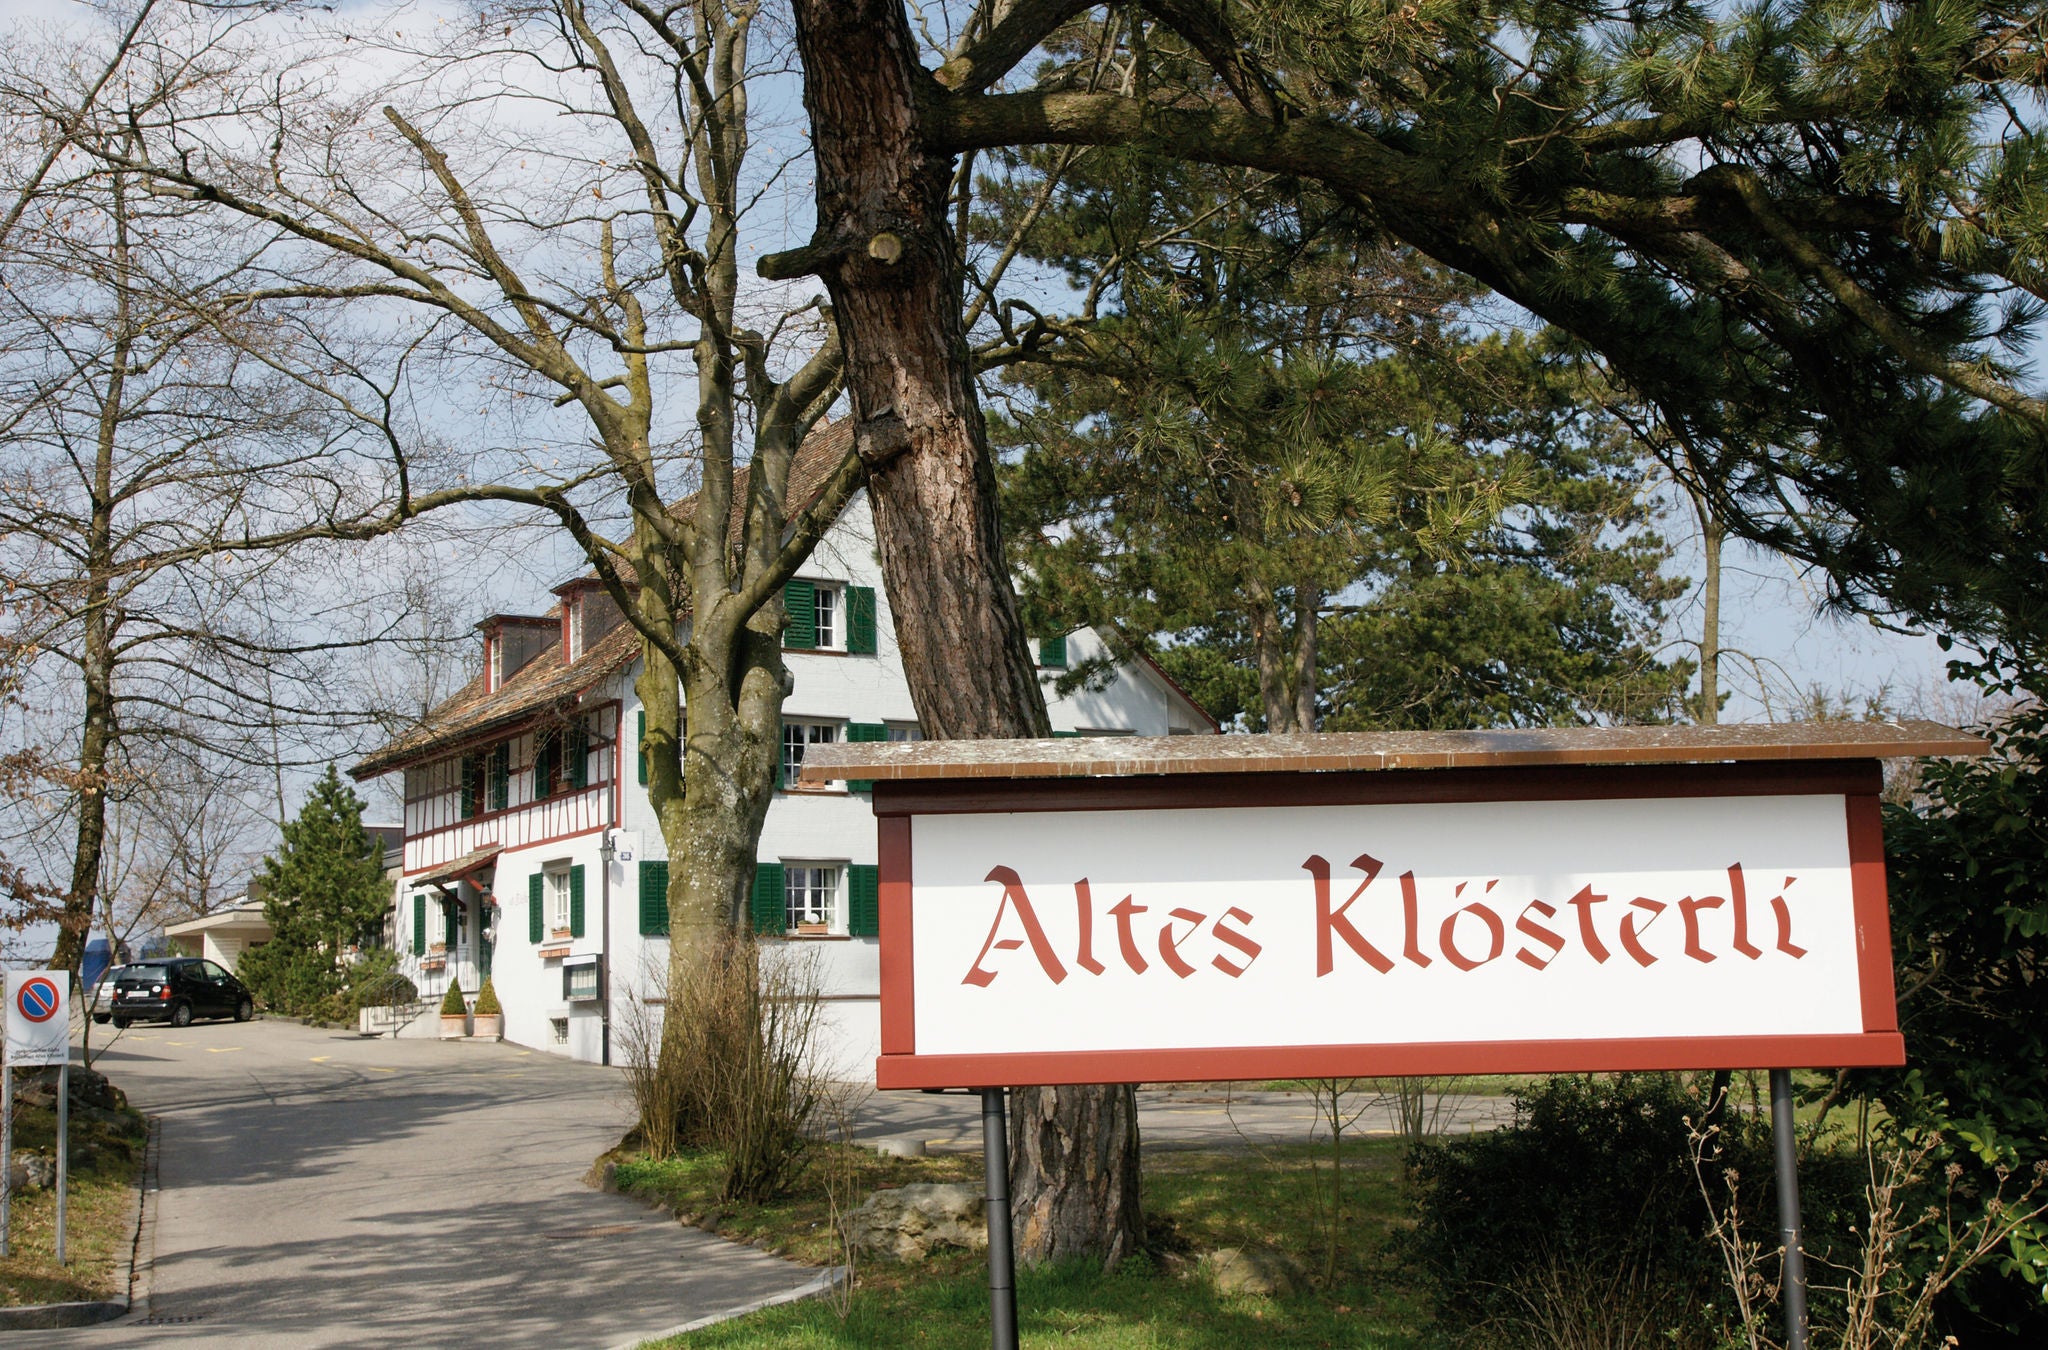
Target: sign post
38, 1033
1592, 899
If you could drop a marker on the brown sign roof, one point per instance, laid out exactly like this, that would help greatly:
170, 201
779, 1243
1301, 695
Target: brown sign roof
1120, 756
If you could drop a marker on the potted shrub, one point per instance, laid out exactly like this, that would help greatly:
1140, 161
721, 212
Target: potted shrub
488, 1017
454, 1014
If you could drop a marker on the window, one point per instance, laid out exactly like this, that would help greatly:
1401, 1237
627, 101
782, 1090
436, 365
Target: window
904, 731
572, 626
810, 895
558, 1030
580, 980
826, 608
494, 662
213, 972
829, 616
795, 737
556, 884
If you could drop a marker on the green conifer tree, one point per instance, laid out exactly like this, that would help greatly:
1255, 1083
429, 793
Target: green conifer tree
323, 893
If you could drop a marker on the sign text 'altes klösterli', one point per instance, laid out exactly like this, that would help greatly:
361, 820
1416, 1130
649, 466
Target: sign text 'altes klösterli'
1175, 912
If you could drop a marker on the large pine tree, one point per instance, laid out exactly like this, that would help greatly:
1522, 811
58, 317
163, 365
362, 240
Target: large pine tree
1279, 452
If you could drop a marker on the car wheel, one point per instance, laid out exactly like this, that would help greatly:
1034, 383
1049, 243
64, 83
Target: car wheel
181, 1016
244, 1010
120, 1024
101, 1018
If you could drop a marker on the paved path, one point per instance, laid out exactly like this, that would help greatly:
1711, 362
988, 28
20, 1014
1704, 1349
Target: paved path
1216, 1116
319, 1189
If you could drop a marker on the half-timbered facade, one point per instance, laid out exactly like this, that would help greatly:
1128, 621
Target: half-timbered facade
531, 852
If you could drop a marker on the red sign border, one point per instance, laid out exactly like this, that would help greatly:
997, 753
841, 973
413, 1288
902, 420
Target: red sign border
1857, 781
31, 982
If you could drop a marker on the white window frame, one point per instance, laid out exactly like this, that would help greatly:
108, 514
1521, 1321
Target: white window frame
494, 663
555, 890
903, 732
835, 732
828, 610
573, 619
814, 887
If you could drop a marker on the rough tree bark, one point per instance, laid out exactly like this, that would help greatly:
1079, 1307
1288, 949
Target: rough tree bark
886, 252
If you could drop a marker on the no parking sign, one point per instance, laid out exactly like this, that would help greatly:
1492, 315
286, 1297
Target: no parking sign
38, 1018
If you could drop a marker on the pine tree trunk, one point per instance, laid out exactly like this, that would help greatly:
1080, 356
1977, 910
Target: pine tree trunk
886, 252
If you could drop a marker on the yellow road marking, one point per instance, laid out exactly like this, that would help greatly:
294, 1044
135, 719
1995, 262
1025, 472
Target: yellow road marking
371, 1068
322, 1059
222, 1049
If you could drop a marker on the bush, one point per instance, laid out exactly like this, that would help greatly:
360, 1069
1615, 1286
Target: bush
451, 1002
1968, 867
1583, 1223
728, 1069
487, 1001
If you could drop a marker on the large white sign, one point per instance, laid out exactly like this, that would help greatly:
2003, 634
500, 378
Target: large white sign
1198, 931
38, 1017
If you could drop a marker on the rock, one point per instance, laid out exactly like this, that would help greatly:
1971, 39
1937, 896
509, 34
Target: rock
32, 1171
1258, 1271
907, 1223
90, 1087
902, 1147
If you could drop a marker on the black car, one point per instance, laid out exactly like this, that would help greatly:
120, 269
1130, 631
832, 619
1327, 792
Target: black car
176, 991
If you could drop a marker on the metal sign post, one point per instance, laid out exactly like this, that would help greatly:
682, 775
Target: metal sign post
1002, 1261
38, 1033
1783, 1141
6, 1154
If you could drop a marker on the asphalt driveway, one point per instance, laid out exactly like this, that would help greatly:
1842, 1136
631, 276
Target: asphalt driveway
319, 1189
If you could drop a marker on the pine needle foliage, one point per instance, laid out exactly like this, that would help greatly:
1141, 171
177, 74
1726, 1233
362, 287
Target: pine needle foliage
324, 894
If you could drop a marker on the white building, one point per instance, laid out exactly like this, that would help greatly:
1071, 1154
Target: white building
513, 791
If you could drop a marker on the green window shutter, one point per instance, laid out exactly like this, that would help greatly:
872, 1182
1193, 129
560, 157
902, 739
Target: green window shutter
1066, 735
577, 746
501, 776
576, 901
653, 899
800, 598
470, 773
771, 910
536, 900
1052, 653
640, 739
865, 732
864, 900
860, 620
543, 769
419, 925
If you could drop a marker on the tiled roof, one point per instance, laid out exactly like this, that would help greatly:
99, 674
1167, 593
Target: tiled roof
547, 682
543, 683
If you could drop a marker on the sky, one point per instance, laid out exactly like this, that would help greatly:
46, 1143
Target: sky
1778, 643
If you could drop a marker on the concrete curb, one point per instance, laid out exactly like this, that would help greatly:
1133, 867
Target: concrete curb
51, 1316
827, 1280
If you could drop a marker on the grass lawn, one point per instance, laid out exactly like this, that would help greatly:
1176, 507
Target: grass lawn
105, 1169
1195, 1202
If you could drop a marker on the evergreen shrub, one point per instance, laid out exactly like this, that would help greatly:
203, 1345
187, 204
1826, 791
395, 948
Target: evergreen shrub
1584, 1221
